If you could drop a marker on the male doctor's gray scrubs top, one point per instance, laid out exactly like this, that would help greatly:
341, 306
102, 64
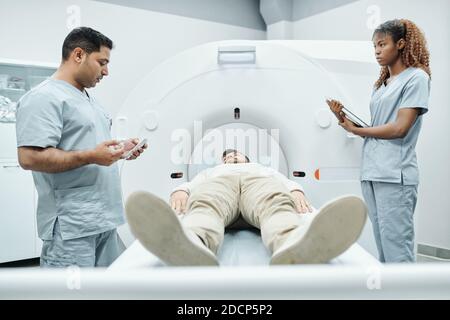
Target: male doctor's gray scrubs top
389, 175
78, 210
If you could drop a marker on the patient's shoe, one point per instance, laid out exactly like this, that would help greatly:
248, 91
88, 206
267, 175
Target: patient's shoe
335, 227
160, 231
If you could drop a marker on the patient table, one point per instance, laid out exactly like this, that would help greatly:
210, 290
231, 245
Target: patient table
240, 248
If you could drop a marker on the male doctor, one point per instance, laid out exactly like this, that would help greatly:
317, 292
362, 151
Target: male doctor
63, 136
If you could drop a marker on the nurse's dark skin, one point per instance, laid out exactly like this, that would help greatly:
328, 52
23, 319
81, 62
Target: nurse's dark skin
387, 53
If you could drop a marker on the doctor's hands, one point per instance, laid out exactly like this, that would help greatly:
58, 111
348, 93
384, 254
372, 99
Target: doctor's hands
106, 153
178, 201
301, 203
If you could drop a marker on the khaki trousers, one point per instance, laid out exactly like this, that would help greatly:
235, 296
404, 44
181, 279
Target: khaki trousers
264, 203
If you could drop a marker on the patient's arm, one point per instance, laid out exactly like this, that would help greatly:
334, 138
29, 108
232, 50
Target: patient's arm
188, 186
301, 202
180, 195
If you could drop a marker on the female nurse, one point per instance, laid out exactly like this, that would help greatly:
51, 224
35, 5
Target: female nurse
389, 171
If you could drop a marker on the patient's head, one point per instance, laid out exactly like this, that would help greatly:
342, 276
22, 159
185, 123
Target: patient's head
234, 156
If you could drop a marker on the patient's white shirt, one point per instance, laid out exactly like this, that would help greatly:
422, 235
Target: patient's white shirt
237, 169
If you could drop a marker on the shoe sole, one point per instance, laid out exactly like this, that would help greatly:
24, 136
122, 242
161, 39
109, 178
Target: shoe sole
157, 227
337, 225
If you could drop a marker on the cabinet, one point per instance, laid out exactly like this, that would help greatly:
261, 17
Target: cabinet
18, 229
16, 78
18, 232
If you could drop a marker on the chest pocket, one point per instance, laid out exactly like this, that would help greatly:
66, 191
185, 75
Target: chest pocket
107, 119
79, 126
103, 119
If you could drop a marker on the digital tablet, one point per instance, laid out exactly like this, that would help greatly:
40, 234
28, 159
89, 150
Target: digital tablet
354, 118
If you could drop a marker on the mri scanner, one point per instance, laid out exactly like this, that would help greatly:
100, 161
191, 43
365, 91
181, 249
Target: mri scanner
264, 98
269, 94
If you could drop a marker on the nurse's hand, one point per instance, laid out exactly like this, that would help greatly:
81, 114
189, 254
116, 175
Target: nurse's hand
336, 108
348, 125
129, 144
178, 201
106, 153
301, 203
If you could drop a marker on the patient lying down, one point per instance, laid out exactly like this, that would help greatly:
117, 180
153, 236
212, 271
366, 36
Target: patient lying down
191, 229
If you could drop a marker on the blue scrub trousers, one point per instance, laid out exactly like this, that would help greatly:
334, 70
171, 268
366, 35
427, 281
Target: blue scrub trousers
98, 250
391, 211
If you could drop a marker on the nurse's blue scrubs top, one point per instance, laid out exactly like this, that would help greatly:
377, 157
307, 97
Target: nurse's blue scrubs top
395, 161
86, 200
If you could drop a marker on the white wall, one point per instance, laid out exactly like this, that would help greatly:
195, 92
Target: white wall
355, 21
35, 30
233, 12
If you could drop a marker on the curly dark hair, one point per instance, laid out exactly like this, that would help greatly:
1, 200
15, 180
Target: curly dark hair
414, 54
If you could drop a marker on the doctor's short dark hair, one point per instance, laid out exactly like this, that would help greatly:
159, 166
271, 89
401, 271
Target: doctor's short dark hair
86, 38
227, 151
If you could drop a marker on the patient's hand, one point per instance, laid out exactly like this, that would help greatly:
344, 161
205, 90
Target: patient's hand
301, 203
178, 201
